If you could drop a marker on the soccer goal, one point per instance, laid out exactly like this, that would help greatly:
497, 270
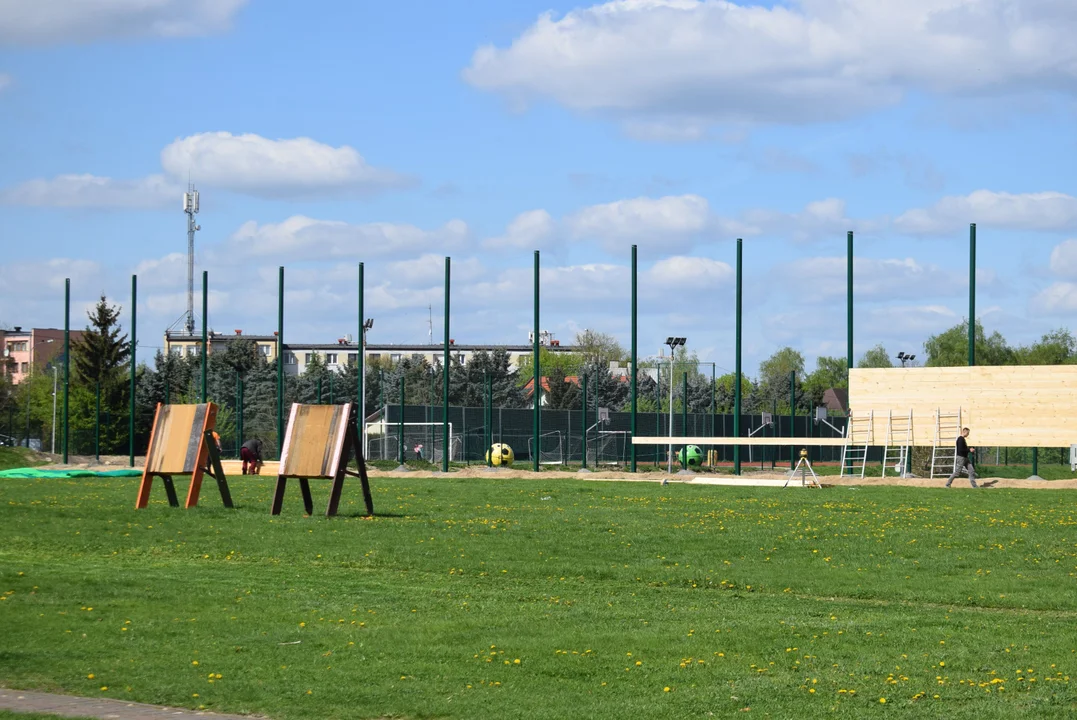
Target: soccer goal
608, 447
551, 448
422, 438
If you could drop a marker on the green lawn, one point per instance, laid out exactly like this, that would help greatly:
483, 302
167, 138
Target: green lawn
17, 457
500, 598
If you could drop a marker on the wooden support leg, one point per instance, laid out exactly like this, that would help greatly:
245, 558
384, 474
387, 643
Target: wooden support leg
144, 490
170, 490
334, 494
308, 501
278, 495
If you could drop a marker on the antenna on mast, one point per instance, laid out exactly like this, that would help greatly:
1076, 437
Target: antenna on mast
430, 322
190, 207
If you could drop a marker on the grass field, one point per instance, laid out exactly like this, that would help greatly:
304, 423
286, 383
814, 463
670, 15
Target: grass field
16, 457
547, 599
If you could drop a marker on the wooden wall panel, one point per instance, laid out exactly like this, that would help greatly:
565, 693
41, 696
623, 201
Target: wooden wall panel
314, 440
1011, 406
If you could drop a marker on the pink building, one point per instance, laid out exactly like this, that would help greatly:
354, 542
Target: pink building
27, 351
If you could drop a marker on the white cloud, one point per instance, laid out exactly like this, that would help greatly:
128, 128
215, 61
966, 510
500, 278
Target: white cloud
1042, 211
818, 219
873, 279
1059, 298
273, 168
676, 65
80, 21
44, 280
531, 230
305, 238
92, 191
672, 221
702, 274
1064, 258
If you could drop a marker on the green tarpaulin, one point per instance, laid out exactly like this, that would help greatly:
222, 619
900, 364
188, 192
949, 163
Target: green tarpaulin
35, 473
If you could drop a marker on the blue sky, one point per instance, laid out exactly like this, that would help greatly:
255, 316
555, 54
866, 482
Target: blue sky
398, 133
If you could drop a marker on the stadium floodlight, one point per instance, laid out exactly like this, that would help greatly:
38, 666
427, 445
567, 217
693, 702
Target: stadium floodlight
673, 343
904, 357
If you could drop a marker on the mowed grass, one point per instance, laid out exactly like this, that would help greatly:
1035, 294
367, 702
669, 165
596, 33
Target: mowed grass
490, 598
18, 457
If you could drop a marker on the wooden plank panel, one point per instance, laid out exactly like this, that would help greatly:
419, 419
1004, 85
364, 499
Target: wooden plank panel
173, 438
313, 440
1010, 406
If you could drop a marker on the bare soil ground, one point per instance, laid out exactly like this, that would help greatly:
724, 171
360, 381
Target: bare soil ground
115, 462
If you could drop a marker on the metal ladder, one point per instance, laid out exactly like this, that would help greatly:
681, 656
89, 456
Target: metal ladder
898, 440
944, 450
858, 438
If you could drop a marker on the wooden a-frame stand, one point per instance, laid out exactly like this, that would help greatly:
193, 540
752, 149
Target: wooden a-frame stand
344, 447
182, 443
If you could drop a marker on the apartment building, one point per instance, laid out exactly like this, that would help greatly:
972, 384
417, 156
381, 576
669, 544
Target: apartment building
26, 351
345, 350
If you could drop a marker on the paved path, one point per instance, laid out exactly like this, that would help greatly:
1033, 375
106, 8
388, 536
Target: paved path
70, 706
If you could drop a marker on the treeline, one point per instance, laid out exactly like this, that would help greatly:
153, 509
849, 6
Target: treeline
240, 380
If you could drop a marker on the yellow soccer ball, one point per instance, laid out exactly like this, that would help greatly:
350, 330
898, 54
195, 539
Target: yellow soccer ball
500, 454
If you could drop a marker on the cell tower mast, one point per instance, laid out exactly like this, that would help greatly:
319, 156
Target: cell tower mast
190, 207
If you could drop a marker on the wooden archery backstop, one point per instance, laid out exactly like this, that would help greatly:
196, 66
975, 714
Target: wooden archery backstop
319, 443
181, 443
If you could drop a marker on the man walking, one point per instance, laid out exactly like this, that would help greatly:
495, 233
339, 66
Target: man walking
961, 459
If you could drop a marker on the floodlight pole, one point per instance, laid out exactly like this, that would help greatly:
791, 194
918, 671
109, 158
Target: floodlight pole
134, 344
635, 372
445, 382
401, 420
737, 374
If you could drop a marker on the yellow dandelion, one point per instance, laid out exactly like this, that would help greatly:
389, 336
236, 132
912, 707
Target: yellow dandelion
194, 662
90, 676
104, 688
516, 661
882, 700
665, 689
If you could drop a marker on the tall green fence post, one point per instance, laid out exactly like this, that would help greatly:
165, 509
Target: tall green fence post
737, 372
96, 423
280, 359
536, 366
134, 345
583, 387
360, 360
684, 417
67, 361
635, 371
792, 417
445, 382
400, 443
205, 330
849, 299
972, 294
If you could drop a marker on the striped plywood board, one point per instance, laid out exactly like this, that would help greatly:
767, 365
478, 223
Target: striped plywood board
1009, 406
176, 438
314, 441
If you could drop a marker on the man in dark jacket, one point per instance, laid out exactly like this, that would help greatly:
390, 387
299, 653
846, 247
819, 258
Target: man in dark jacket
251, 453
961, 460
